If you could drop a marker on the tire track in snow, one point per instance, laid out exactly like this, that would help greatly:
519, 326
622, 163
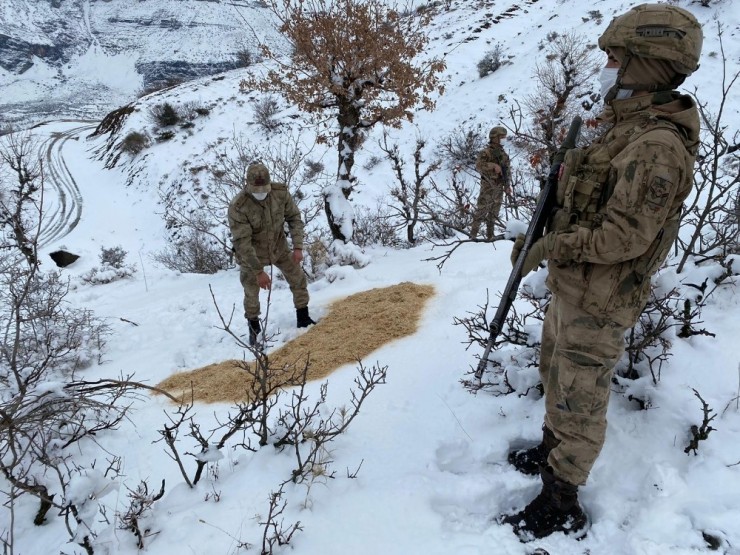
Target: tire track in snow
63, 217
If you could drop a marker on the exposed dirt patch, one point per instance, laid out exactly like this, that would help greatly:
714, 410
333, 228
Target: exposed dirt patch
354, 327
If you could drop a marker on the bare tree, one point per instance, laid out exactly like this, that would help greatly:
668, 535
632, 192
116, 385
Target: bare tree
409, 195
46, 411
563, 91
353, 62
712, 216
19, 204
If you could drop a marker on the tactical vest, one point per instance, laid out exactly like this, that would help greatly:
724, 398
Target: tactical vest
588, 179
585, 186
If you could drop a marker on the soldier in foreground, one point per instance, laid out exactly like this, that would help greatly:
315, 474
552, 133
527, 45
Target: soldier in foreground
619, 203
257, 218
493, 166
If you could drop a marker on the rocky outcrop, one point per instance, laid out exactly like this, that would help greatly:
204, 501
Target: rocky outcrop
17, 56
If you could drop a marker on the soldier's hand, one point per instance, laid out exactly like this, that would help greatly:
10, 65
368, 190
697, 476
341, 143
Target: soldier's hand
517, 248
539, 251
497, 168
297, 256
264, 281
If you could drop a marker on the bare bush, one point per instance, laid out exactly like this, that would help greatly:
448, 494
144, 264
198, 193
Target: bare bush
375, 227
701, 432
459, 149
265, 111
48, 413
112, 267
712, 217
134, 142
192, 110
408, 196
304, 426
514, 359
491, 61
194, 250
139, 507
164, 115
564, 90
244, 58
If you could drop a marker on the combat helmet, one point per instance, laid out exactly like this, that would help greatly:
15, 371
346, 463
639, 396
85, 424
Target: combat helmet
657, 32
496, 132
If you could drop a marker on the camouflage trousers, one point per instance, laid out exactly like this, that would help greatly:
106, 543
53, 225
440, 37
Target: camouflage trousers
489, 205
578, 354
293, 275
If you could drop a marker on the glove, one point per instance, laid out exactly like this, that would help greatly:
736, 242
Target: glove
539, 251
517, 248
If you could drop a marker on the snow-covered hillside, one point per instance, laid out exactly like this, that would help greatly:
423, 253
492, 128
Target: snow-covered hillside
432, 457
87, 57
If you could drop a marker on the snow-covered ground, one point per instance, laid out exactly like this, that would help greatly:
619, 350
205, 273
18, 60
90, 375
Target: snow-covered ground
434, 471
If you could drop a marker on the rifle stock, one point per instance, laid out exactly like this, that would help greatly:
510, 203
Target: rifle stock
535, 231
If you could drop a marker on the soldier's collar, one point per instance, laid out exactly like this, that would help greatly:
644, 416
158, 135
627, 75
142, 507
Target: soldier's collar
623, 108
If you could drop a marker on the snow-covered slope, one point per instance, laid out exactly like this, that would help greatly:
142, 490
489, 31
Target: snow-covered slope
433, 470
88, 56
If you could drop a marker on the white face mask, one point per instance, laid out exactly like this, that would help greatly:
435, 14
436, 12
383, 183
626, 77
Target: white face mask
260, 196
607, 79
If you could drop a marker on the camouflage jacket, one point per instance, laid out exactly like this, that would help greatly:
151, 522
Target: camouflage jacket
620, 202
258, 227
490, 155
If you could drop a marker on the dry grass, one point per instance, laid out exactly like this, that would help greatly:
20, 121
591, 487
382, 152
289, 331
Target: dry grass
354, 327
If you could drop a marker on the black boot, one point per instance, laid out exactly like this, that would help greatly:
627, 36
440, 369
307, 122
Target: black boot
254, 329
302, 317
530, 461
555, 509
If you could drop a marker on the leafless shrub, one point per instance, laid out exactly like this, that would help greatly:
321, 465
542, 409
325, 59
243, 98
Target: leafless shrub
701, 432
192, 110
459, 149
564, 90
375, 227
514, 358
139, 507
303, 425
164, 115
408, 196
48, 413
112, 267
491, 61
446, 208
275, 532
244, 58
713, 215
134, 142
194, 250
164, 136
265, 111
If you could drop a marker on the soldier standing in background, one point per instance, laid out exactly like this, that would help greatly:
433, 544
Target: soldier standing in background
257, 218
619, 204
493, 166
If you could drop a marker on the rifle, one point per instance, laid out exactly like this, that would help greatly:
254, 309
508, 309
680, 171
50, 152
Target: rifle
535, 231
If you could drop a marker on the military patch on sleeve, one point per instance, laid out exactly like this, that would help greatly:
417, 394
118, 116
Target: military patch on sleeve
658, 193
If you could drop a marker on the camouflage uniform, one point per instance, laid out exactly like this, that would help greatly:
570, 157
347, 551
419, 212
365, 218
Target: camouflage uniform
618, 209
620, 202
258, 235
492, 183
